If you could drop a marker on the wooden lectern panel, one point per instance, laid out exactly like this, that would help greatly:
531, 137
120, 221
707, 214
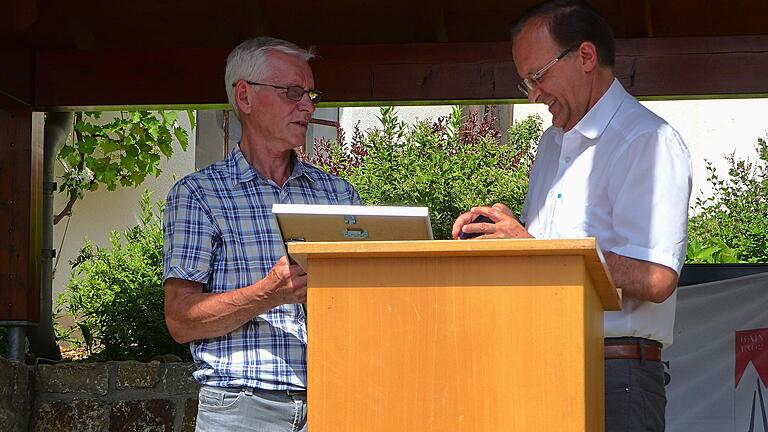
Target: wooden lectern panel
454, 343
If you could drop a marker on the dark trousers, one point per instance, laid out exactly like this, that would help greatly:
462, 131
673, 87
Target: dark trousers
635, 399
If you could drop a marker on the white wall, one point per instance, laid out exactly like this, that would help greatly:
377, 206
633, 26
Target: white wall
367, 117
711, 128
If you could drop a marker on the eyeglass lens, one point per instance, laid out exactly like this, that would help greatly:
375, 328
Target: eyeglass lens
295, 93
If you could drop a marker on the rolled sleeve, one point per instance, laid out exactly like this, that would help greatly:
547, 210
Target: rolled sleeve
190, 236
651, 197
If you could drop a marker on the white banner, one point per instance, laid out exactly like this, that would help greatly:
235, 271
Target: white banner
718, 363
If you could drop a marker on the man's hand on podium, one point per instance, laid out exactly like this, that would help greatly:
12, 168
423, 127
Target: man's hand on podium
504, 224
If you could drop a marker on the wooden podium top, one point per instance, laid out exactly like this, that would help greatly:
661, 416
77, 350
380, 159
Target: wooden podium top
585, 247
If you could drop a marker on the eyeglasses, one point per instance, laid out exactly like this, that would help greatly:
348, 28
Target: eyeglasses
530, 83
294, 93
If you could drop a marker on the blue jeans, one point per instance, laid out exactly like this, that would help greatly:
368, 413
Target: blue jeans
251, 410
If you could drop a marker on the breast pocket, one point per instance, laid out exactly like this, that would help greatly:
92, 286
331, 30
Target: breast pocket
570, 218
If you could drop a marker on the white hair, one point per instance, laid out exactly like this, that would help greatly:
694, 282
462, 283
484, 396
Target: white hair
248, 61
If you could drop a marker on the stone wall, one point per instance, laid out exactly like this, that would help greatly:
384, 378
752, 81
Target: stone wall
15, 396
114, 396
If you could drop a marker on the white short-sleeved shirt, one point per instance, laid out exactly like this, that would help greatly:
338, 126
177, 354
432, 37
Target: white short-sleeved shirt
622, 175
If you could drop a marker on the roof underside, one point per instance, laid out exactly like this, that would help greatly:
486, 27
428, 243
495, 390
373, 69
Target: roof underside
142, 24
369, 50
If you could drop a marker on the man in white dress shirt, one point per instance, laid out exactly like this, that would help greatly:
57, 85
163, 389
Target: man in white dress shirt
608, 168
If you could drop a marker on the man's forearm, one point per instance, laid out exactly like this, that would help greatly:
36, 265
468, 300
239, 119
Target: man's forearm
642, 280
198, 315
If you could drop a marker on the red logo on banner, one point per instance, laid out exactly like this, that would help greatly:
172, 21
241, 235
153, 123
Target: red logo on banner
752, 346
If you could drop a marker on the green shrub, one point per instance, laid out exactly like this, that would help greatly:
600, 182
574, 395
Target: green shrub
448, 166
116, 294
735, 218
714, 252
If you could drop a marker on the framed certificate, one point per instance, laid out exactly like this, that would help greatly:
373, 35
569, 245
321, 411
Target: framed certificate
330, 223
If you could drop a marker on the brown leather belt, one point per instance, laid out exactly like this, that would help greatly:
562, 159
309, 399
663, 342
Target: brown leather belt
652, 352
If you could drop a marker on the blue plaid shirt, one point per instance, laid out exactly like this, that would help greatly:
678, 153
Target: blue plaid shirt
220, 231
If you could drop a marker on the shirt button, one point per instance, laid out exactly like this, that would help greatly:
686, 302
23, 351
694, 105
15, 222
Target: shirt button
567, 159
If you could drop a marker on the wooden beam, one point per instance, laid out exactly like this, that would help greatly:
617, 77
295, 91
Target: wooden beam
434, 12
685, 67
256, 21
693, 66
129, 77
21, 192
16, 79
17, 16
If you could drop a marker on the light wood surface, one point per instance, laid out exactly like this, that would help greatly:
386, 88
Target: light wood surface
416, 336
584, 247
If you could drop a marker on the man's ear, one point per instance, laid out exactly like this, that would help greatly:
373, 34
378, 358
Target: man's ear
587, 55
243, 97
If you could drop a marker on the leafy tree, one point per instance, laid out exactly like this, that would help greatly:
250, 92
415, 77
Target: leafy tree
732, 224
449, 165
119, 152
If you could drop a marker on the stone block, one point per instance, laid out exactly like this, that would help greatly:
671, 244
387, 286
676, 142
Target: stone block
177, 379
12, 421
190, 416
79, 415
133, 374
14, 380
155, 415
7, 381
15, 396
91, 378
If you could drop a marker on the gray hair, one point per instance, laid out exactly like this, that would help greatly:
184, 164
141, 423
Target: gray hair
249, 61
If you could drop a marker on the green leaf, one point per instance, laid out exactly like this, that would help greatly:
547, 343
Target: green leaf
87, 335
84, 127
138, 177
169, 117
65, 151
191, 117
87, 145
181, 136
707, 253
128, 164
165, 148
109, 146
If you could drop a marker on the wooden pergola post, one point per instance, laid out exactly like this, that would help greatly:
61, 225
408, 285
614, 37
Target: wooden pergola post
21, 163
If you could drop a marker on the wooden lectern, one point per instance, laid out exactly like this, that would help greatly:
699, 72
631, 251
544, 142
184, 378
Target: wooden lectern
472, 335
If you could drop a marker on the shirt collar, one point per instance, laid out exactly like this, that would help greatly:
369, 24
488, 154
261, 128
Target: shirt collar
593, 124
241, 171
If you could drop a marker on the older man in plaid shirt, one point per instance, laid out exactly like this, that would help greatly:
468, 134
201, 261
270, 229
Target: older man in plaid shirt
230, 291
